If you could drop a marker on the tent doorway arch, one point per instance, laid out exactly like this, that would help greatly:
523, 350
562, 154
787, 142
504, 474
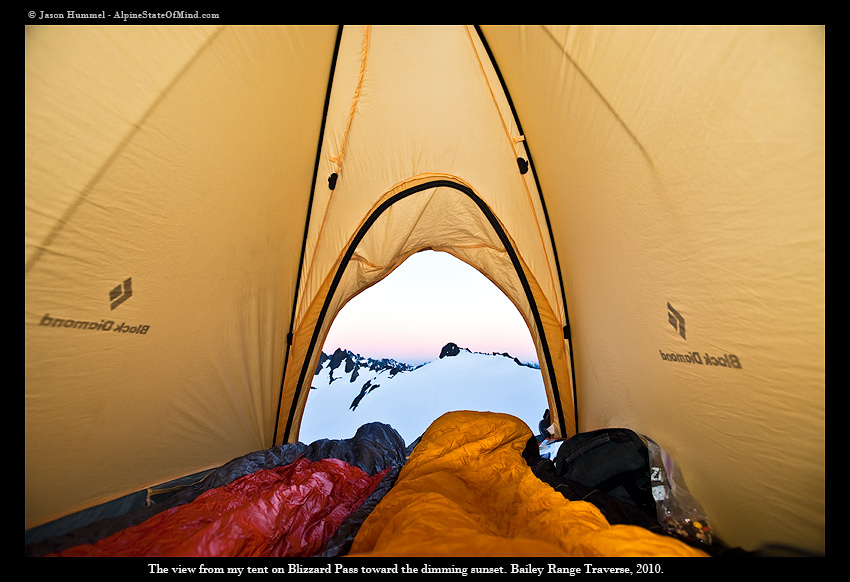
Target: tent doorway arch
434, 212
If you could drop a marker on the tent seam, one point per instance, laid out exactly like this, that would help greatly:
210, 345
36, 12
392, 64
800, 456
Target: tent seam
596, 90
135, 127
514, 140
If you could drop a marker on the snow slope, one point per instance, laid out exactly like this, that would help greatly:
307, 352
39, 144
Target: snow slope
409, 400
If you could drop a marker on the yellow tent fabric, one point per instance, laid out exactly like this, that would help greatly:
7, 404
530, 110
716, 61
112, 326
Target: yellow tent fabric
467, 491
201, 201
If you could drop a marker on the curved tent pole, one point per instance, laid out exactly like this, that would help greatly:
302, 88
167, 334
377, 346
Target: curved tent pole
503, 237
307, 226
567, 330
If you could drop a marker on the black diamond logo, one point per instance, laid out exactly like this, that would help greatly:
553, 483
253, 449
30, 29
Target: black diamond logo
676, 320
121, 293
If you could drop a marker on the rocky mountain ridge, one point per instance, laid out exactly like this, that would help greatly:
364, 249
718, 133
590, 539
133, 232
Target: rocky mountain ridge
345, 365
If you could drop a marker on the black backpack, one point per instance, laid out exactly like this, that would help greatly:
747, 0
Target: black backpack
614, 461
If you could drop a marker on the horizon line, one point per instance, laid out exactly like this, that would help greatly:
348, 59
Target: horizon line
420, 359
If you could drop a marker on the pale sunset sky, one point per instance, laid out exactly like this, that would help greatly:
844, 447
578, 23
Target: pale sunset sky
430, 300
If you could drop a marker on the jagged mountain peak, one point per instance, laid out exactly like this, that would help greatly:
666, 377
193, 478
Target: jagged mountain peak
452, 349
449, 350
342, 362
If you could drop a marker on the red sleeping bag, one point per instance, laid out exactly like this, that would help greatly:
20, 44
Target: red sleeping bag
285, 511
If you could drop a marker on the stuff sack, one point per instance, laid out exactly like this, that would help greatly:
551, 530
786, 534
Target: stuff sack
614, 461
634, 469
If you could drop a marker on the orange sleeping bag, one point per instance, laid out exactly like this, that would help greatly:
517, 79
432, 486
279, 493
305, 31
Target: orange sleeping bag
467, 491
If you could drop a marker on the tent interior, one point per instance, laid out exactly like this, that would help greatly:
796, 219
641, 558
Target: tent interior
201, 201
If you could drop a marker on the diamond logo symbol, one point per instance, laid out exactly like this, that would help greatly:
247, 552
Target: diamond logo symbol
121, 293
